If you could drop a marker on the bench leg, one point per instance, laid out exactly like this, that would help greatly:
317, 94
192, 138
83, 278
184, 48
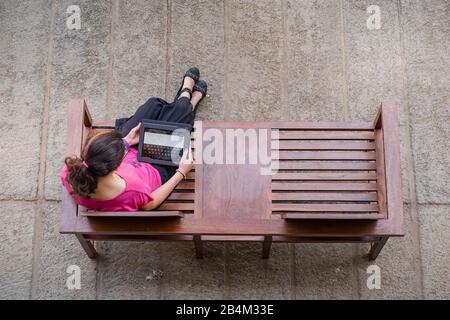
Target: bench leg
267, 243
87, 246
376, 247
198, 247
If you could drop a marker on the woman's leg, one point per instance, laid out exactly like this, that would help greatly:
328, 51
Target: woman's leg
181, 110
188, 83
196, 97
149, 110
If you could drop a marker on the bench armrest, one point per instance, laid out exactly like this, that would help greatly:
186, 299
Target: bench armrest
78, 120
386, 122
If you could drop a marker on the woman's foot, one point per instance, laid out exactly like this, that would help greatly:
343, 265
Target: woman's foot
200, 90
186, 88
196, 97
190, 78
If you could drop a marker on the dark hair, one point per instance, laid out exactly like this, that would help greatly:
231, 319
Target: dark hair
103, 154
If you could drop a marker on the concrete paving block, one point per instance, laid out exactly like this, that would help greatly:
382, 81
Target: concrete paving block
16, 232
253, 55
324, 271
315, 68
80, 63
373, 58
374, 68
23, 52
399, 263
128, 270
57, 253
197, 39
434, 242
138, 54
431, 159
251, 277
186, 277
426, 28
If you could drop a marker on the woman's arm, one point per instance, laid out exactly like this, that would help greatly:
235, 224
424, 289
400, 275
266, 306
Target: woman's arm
132, 137
161, 194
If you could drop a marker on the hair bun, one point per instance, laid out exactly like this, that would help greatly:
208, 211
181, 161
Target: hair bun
83, 182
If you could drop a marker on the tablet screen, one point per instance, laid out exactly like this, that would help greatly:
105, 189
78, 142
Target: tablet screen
162, 142
163, 138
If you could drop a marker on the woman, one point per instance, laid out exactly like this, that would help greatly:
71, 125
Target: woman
110, 178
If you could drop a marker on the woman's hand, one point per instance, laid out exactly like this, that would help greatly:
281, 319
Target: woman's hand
187, 161
133, 136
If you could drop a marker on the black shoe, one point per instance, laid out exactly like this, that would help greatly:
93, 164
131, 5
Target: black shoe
202, 87
193, 73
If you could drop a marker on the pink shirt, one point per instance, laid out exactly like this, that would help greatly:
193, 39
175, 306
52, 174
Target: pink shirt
140, 178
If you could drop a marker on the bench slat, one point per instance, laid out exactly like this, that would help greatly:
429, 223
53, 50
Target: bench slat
185, 185
325, 165
325, 196
325, 135
129, 214
327, 155
318, 207
325, 176
300, 186
172, 206
190, 175
325, 145
333, 216
323, 125
182, 196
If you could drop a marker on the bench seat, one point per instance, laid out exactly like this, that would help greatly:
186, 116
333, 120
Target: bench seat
329, 172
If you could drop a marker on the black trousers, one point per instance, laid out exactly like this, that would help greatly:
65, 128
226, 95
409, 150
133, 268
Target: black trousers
158, 109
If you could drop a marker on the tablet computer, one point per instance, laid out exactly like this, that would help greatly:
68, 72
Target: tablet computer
162, 142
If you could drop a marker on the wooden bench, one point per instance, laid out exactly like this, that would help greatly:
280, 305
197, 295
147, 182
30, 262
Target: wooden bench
336, 182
